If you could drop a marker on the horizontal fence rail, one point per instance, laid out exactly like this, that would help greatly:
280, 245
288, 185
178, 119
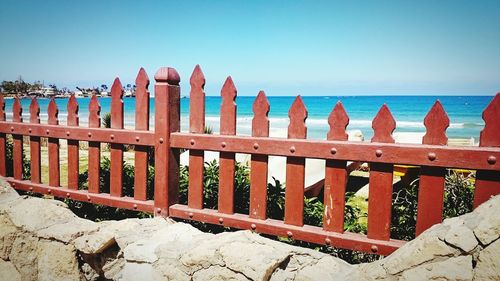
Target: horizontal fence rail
165, 141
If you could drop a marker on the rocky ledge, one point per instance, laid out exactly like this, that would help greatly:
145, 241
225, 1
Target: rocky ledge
41, 239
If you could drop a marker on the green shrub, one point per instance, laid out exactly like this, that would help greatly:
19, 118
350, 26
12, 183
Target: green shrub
458, 198
9, 146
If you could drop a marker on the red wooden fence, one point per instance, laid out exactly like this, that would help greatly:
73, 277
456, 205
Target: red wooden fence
433, 155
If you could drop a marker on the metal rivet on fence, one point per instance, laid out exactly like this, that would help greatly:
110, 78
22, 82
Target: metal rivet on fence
47, 131
289, 234
292, 149
492, 160
137, 139
223, 144
255, 146
374, 249
431, 156
67, 133
12, 129
190, 215
89, 134
135, 206
378, 152
333, 150
253, 226
158, 210
161, 140
191, 142
112, 137
29, 130
67, 194
328, 241
221, 220
49, 191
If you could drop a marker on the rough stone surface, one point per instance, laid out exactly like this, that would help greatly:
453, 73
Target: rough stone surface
8, 233
24, 256
488, 226
42, 239
57, 261
8, 271
458, 268
488, 263
95, 242
460, 236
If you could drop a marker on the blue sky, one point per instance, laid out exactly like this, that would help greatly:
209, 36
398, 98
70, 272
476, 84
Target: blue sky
282, 47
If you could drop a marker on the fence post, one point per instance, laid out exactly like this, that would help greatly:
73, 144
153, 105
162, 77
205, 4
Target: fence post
167, 120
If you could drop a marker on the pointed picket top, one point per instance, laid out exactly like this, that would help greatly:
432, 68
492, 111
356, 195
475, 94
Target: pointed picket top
53, 112
197, 101
34, 111
2, 108
117, 104
197, 78
338, 121
72, 107
490, 135
228, 108
117, 90
260, 121
94, 112
436, 122
142, 79
17, 111
298, 114
142, 101
383, 125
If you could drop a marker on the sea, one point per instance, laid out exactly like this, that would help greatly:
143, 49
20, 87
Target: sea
465, 113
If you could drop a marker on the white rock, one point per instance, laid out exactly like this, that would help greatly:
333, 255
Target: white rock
68, 231
328, 268
458, 268
57, 261
137, 271
424, 248
254, 260
95, 242
24, 256
488, 263
488, 229
461, 236
218, 273
33, 214
8, 233
8, 271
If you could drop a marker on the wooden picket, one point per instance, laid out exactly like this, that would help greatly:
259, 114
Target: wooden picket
116, 151
141, 123
17, 150
196, 126
488, 181
335, 173
431, 187
53, 143
381, 175
73, 145
35, 153
259, 162
94, 147
226, 159
295, 166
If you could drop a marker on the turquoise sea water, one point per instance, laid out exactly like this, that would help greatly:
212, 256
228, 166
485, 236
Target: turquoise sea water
409, 111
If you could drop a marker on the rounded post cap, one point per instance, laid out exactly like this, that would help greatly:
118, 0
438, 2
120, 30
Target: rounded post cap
168, 75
